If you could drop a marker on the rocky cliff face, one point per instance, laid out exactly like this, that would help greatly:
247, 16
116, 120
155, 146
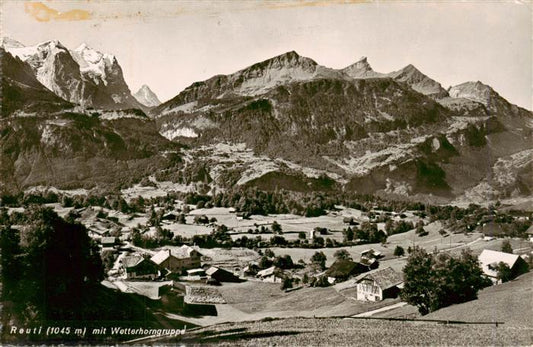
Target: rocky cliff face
83, 76
21, 91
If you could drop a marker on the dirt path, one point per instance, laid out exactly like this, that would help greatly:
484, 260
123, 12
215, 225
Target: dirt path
386, 308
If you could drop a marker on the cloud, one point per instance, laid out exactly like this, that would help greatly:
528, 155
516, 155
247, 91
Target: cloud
43, 13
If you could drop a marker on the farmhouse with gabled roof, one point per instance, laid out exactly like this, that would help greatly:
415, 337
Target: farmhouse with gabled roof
177, 260
490, 259
379, 284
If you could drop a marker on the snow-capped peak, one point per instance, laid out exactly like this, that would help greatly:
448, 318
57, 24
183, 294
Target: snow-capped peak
93, 62
7, 42
146, 96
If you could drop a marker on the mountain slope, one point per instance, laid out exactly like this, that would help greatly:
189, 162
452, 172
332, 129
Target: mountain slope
72, 150
399, 134
147, 97
22, 91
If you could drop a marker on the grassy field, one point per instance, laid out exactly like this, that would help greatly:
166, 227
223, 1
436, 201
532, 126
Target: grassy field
430, 242
511, 303
353, 332
253, 300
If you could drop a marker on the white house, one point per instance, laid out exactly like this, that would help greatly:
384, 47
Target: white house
379, 284
490, 259
269, 275
176, 260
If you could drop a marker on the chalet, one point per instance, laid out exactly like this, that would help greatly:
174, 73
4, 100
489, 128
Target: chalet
243, 215
493, 229
349, 220
371, 254
171, 216
177, 260
221, 275
529, 233
196, 273
379, 284
343, 269
138, 267
251, 269
369, 263
269, 275
490, 259
108, 241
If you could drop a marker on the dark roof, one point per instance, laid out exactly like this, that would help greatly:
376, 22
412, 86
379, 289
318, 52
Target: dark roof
383, 278
131, 261
492, 229
341, 268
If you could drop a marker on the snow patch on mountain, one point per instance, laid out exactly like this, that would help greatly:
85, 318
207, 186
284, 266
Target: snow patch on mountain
95, 64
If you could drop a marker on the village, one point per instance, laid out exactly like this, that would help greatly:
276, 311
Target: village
296, 266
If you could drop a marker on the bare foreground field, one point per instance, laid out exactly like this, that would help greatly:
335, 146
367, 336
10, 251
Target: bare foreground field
355, 332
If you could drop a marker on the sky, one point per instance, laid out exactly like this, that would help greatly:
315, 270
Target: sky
168, 45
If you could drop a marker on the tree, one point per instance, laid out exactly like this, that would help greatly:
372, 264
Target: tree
399, 251
432, 281
58, 264
269, 253
284, 262
504, 272
348, 234
305, 278
302, 235
276, 228
287, 283
265, 262
506, 247
342, 254
319, 259
108, 259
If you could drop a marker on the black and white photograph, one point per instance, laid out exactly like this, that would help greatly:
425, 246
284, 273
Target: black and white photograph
266, 172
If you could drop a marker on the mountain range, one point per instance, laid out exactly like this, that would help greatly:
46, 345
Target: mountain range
286, 122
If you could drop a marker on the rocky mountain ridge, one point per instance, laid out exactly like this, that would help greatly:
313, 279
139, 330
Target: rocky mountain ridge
286, 120
82, 76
